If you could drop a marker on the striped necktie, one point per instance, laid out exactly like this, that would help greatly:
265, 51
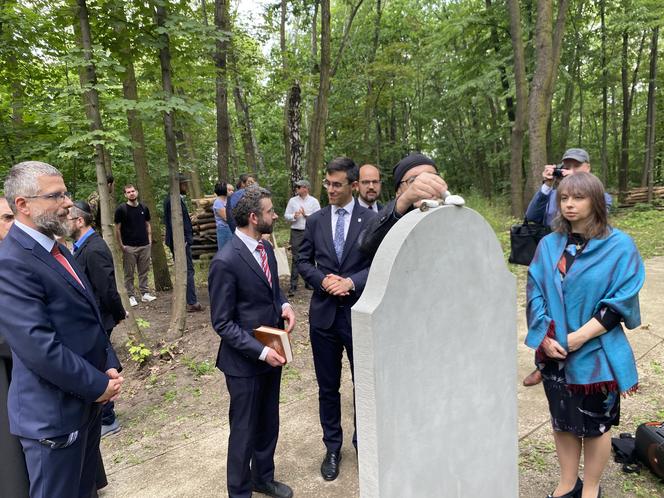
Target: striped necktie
264, 266
339, 236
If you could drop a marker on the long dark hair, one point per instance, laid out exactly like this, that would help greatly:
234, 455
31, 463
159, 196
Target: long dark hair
584, 185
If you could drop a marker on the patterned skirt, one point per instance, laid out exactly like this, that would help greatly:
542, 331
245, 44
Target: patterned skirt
584, 415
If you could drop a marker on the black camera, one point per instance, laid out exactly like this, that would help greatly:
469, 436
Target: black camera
558, 171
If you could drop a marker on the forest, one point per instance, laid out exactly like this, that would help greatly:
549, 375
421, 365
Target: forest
492, 90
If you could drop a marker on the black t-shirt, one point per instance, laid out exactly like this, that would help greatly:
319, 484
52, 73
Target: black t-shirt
132, 220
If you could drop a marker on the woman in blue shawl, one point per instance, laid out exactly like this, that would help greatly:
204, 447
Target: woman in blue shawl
583, 282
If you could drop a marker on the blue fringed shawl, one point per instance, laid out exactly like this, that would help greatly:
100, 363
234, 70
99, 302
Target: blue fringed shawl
609, 272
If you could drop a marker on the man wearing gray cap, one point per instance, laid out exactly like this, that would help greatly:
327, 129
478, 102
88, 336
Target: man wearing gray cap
543, 208
299, 207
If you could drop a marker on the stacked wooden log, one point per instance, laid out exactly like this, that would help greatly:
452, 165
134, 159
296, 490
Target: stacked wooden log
205, 230
640, 196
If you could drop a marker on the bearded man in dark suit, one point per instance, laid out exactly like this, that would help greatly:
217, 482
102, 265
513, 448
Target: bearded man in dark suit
245, 294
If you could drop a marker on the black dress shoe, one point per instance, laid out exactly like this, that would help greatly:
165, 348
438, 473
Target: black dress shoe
274, 488
575, 493
329, 469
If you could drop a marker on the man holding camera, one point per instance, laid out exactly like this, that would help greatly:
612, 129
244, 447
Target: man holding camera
543, 208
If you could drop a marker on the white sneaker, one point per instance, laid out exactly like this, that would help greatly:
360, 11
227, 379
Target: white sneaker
132, 301
148, 298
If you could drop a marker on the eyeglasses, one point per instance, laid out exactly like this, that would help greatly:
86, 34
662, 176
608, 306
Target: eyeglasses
408, 181
334, 185
366, 183
55, 196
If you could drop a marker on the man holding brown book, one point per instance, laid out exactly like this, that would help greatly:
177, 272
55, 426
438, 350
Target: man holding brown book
245, 295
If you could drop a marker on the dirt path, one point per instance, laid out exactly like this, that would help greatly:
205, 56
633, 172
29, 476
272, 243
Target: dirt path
175, 429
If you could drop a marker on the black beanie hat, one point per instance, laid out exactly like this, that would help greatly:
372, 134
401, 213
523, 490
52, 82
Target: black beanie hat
409, 162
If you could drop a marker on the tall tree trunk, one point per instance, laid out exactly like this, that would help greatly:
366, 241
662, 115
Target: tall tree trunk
251, 153
548, 43
520, 110
370, 114
284, 68
88, 80
178, 313
604, 171
222, 23
295, 145
316, 142
162, 278
627, 100
649, 163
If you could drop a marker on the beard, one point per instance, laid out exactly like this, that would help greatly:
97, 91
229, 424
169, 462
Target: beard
50, 224
264, 228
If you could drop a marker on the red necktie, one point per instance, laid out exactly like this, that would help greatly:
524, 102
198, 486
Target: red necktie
63, 261
264, 265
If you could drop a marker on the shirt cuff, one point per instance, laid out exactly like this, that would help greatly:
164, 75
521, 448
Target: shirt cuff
263, 354
351, 281
283, 306
546, 189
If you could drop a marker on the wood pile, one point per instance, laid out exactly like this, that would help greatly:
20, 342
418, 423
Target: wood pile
640, 196
205, 229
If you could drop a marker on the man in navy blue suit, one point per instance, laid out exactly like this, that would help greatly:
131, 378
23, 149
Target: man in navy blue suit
245, 294
64, 366
330, 261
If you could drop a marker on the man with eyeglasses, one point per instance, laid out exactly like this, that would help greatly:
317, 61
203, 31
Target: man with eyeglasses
415, 179
369, 187
329, 261
64, 365
298, 209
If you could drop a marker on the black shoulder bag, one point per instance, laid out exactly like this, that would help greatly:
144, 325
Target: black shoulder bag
523, 241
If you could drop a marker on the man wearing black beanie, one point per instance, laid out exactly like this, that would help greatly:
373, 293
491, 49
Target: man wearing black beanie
415, 179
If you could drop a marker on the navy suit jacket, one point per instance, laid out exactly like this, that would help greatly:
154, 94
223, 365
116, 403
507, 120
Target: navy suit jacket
316, 258
241, 300
59, 345
95, 258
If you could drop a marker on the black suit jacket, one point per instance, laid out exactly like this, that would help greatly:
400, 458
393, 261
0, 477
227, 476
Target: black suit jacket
316, 258
59, 345
94, 257
373, 235
186, 223
241, 300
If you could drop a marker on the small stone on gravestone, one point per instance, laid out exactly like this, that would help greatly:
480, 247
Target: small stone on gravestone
435, 352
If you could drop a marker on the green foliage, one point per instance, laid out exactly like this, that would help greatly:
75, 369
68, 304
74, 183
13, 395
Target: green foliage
138, 352
142, 323
645, 227
198, 368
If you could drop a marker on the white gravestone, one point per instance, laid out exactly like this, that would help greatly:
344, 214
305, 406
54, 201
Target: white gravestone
434, 342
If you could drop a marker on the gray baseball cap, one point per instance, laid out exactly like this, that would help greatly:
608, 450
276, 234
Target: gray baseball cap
303, 183
577, 154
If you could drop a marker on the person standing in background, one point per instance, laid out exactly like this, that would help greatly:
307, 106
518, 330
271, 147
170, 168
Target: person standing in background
299, 207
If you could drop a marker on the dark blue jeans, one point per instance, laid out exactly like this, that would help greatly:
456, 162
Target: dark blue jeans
191, 285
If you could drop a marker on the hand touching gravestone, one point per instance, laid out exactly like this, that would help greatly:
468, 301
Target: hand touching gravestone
435, 370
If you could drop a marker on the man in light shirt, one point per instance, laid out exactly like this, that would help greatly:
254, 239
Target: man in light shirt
298, 209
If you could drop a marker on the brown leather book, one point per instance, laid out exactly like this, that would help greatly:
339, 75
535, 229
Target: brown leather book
276, 339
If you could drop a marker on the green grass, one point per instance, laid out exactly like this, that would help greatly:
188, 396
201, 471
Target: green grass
644, 224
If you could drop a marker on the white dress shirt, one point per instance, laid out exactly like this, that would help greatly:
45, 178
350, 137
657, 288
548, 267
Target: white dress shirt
373, 207
349, 210
44, 241
310, 205
252, 245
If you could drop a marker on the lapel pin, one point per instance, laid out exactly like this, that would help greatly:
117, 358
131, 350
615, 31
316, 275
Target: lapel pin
359, 220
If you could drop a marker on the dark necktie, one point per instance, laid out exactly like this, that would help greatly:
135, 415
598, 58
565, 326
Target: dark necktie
265, 267
63, 261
